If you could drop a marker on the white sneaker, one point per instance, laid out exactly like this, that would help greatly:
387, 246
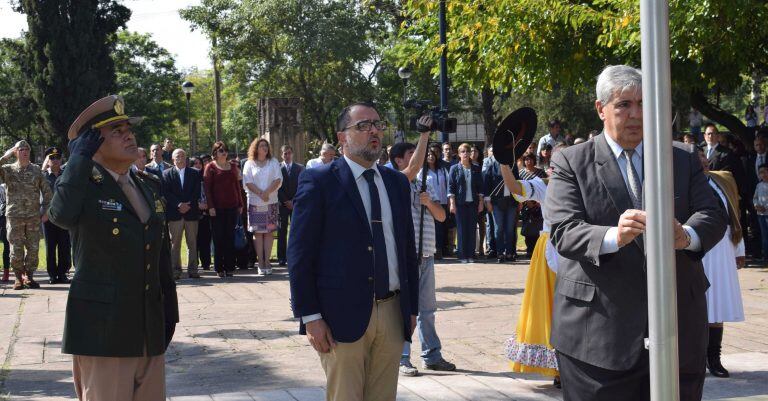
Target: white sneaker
261, 272
471, 261
268, 272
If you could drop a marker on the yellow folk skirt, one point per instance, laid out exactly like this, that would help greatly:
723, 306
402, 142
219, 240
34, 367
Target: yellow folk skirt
528, 350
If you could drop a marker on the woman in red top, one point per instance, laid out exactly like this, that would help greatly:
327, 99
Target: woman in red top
225, 203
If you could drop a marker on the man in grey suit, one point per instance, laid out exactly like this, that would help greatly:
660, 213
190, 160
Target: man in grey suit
600, 312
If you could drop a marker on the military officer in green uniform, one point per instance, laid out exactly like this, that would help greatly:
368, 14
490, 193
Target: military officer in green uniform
122, 307
28, 195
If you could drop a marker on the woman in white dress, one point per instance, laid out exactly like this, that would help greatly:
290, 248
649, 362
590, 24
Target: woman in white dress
724, 302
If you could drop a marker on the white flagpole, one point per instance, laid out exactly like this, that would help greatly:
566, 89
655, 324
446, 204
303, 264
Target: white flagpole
657, 139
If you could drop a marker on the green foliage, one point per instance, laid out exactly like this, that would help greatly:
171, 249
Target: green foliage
533, 45
69, 43
150, 83
315, 50
17, 108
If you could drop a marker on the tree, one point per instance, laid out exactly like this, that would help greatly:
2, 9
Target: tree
529, 45
316, 50
18, 111
69, 43
147, 78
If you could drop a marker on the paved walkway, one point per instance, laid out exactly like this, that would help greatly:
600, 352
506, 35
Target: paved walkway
237, 341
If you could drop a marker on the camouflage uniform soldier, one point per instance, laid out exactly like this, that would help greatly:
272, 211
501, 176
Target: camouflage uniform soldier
25, 184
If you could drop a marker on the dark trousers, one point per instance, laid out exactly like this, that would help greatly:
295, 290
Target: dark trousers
223, 226
204, 241
530, 243
466, 221
441, 231
751, 229
57, 244
282, 234
490, 234
505, 222
584, 382
6, 245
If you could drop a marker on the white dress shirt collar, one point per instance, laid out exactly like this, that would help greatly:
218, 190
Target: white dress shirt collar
357, 170
617, 149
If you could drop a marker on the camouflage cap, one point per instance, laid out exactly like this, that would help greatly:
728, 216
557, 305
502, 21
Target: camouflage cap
22, 144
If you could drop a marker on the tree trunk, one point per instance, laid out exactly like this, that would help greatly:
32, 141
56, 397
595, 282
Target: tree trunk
722, 117
217, 86
490, 122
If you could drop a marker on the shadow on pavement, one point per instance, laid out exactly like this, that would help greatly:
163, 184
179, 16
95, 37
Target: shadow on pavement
482, 290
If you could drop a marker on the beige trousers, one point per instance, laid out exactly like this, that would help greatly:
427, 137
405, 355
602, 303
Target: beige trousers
99, 378
367, 369
189, 228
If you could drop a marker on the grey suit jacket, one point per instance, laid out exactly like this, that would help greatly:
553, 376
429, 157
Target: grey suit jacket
600, 313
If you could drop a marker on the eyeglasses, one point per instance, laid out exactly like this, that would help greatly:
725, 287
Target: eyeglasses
366, 125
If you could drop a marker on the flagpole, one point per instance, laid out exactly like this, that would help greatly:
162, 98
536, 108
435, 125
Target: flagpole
657, 142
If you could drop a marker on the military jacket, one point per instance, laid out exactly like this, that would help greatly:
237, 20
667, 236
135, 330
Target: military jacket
24, 186
123, 293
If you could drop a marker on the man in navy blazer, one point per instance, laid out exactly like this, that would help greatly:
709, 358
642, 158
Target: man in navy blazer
181, 188
353, 272
285, 194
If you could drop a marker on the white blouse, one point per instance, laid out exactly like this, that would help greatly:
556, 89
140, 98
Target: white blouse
262, 178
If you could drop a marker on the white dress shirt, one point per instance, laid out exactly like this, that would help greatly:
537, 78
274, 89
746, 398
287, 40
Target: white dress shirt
610, 240
181, 176
386, 218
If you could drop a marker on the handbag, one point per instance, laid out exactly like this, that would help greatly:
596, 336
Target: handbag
240, 240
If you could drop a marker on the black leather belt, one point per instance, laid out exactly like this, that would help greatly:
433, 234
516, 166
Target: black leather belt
388, 296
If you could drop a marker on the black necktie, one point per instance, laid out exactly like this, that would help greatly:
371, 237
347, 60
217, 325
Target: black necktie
381, 266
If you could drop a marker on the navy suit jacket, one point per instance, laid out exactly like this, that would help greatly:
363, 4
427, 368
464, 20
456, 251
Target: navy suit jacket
331, 250
290, 183
457, 185
175, 194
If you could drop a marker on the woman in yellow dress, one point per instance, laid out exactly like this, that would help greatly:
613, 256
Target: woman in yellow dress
529, 349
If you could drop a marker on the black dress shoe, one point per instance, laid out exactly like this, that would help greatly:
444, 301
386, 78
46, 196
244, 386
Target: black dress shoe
230, 274
64, 280
281, 263
194, 275
53, 281
557, 382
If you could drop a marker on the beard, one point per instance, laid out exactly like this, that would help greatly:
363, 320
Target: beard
364, 153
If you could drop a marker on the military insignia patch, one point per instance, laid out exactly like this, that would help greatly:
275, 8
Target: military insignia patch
159, 206
110, 205
96, 176
119, 107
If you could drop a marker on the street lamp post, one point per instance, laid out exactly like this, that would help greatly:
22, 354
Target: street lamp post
404, 73
188, 87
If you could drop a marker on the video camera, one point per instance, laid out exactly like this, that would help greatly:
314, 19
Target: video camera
440, 120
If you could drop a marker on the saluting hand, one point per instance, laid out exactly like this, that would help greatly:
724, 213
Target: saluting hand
9, 152
86, 144
319, 335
